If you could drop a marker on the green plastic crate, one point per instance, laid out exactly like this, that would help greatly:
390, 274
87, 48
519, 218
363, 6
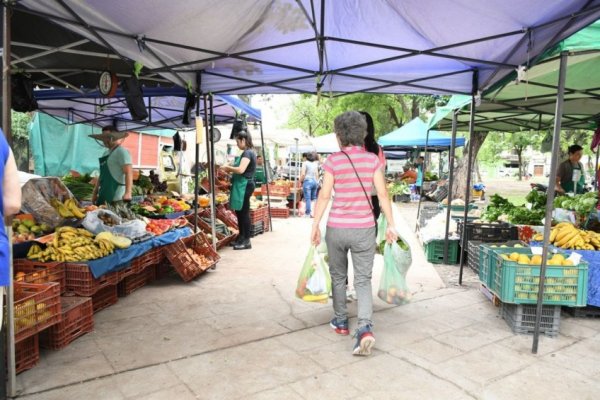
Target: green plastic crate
519, 284
487, 260
434, 251
458, 208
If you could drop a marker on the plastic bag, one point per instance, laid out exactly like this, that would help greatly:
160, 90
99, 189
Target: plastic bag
94, 223
314, 282
393, 288
562, 215
37, 194
381, 228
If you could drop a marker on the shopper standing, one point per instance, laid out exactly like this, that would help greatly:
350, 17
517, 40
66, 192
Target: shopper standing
242, 187
310, 181
10, 203
352, 173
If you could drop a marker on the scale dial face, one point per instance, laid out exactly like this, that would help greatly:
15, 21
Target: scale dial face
107, 84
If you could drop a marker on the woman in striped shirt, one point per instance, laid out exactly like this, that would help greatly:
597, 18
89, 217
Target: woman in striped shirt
351, 174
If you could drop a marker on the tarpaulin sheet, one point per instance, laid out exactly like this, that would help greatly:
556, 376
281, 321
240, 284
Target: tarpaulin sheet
122, 258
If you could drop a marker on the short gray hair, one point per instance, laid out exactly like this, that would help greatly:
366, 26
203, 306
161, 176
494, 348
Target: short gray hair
351, 128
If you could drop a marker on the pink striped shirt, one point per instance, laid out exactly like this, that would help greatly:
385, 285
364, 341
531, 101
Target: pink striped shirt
351, 207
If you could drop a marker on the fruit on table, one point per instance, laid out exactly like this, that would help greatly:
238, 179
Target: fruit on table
72, 245
68, 208
565, 235
119, 242
159, 226
26, 229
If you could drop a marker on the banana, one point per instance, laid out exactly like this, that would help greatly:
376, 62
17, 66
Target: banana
85, 233
553, 233
567, 231
566, 238
74, 209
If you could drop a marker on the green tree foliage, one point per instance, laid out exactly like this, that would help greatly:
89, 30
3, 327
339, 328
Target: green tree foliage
519, 141
389, 112
20, 132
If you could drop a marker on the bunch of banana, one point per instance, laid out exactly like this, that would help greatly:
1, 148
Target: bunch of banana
68, 208
72, 245
565, 235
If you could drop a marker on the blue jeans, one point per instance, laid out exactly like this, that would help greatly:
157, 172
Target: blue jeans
309, 188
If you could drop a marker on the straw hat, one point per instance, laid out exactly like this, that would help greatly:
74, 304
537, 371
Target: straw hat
110, 133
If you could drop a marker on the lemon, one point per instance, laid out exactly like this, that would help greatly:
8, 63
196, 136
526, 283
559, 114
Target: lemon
518, 246
514, 256
523, 259
504, 245
558, 258
536, 260
567, 263
505, 257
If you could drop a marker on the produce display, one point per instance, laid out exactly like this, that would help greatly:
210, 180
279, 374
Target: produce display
582, 204
76, 244
398, 188
566, 236
29, 314
25, 229
160, 226
524, 259
430, 176
79, 185
502, 210
160, 206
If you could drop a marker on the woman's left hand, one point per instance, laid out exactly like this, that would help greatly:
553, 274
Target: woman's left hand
391, 235
315, 236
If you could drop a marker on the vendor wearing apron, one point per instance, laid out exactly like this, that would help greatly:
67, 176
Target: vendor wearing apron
419, 165
242, 187
260, 176
116, 175
570, 177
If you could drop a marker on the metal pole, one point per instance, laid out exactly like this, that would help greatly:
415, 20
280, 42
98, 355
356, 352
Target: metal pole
596, 186
463, 240
295, 178
450, 182
209, 161
213, 200
196, 163
266, 166
424, 169
9, 383
551, 185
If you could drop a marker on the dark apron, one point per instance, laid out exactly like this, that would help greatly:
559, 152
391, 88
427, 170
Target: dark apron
573, 186
238, 188
107, 185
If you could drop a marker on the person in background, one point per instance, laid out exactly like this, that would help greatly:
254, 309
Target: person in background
419, 164
10, 203
116, 174
260, 176
570, 176
352, 173
242, 187
372, 147
410, 175
309, 178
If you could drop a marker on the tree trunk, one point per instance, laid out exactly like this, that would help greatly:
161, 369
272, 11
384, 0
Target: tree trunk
414, 109
520, 158
460, 167
394, 117
478, 171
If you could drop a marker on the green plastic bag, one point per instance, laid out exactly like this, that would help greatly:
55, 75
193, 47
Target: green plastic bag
314, 282
393, 288
381, 228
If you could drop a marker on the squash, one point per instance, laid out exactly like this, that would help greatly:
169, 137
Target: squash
203, 201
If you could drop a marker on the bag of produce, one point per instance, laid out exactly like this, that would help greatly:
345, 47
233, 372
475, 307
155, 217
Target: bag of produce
39, 196
381, 227
393, 288
314, 283
107, 221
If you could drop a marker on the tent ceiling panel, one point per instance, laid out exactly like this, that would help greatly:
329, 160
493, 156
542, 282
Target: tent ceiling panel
492, 37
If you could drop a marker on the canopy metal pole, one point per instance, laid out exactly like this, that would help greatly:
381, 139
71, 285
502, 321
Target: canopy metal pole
424, 169
209, 164
463, 240
596, 186
548, 219
296, 178
450, 182
266, 167
213, 200
197, 161
8, 327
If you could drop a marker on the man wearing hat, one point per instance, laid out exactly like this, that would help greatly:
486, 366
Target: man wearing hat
116, 174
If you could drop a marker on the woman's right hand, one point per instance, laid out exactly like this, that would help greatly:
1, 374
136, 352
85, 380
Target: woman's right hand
391, 235
315, 236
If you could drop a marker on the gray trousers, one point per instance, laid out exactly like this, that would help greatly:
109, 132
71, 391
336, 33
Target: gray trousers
361, 244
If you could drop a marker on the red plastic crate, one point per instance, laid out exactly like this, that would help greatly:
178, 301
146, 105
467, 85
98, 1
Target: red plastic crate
77, 320
227, 217
275, 190
81, 281
125, 272
38, 272
258, 214
136, 281
152, 257
27, 353
280, 212
105, 297
163, 270
37, 306
182, 261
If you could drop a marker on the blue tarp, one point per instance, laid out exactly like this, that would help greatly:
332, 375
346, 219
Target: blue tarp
414, 135
121, 259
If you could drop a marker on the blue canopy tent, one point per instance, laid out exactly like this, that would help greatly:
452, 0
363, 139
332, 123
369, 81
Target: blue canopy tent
414, 136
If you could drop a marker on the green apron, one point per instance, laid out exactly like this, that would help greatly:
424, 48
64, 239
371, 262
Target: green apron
259, 175
107, 184
238, 188
571, 185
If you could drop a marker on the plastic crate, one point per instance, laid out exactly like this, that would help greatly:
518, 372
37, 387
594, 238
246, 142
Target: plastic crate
153, 256
136, 281
37, 272
473, 254
182, 261
434, 251
521, 318
257, 228
163, 270
458, 208
257, 215
37, 306
81, 281
583, 312
27, 353
280, 212
487, 258
77, 320
105, 297
125, 272
227, 217
519, 283
275, 190
488, 232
